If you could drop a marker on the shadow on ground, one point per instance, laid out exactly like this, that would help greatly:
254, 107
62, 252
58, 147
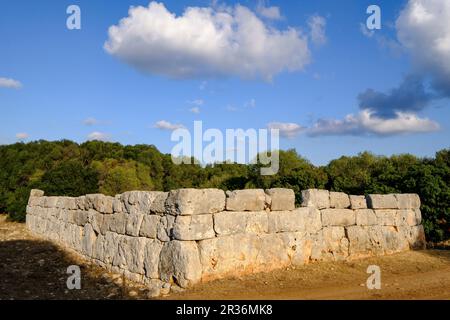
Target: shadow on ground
38, 270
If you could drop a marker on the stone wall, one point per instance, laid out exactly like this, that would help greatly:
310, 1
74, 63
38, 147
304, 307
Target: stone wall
176, 239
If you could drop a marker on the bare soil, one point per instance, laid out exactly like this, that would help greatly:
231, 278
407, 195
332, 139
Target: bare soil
36, 269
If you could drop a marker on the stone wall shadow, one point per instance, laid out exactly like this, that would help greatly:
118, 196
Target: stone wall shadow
38, 270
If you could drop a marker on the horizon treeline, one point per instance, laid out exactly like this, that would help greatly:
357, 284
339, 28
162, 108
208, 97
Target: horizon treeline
66, 168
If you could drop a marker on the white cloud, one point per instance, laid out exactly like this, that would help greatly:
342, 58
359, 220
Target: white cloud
366, 32
206, 42
90, 121
99, 136
287, 130
22, 136
423, 28
231, 108
197, 102
272, 13
365, 123
317, 25
166, 125
10, 83
195, 110
250, 104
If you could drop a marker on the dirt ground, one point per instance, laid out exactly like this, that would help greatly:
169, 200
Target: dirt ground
36, 269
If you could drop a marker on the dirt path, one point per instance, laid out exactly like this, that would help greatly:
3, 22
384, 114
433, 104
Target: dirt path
36, 269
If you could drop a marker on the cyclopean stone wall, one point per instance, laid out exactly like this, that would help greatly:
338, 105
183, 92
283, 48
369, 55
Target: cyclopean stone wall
179, 238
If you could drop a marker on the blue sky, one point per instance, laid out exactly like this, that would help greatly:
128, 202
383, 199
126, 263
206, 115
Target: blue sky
57, 83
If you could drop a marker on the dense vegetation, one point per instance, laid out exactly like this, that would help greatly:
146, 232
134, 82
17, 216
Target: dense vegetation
67, 168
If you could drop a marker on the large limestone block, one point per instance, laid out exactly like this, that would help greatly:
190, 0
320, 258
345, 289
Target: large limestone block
95, 219
51, 202
316, 198
81, 203
134, 222
81, 217
298, 246
281, 199
100, 202
111, 247
408, 201
144, 202
358, 202
338, 217
66, 203
164, 229
394, 240
408, 217
197, 227
151, 258
415, 236
366, 217
99, 248
195, 201
382, 201
149, 226
365, 241
386, 217
89, 238
273, 253
180, 263
330, 244
130, 254
246, 200
230, 222
36, 193
339, 200
301, 219
117, 222
229, 255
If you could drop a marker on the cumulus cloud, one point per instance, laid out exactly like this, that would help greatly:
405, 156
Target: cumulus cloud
272, 13
22, 136
366, 123
287, 130
166, 125
10, 83
206, 42
409, 96
99, 136
317, 25
90, 121
423, 29
197, 102
195, 110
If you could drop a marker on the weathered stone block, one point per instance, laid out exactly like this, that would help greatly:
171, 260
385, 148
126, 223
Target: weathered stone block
339, 200
229, 255
151, 258
316, 198
408, 217
301, 219
365, 241
134, 222
149, 226
95, 219
229, 222
36, 193
366, 217
358, 202
338, 217
118, 223
298, 246
130, 254
382, 201
408, 201
246, 200
193, 201
165, 228
281, 199
386, 217
180, 263
89, 238
100, 203
197, 227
